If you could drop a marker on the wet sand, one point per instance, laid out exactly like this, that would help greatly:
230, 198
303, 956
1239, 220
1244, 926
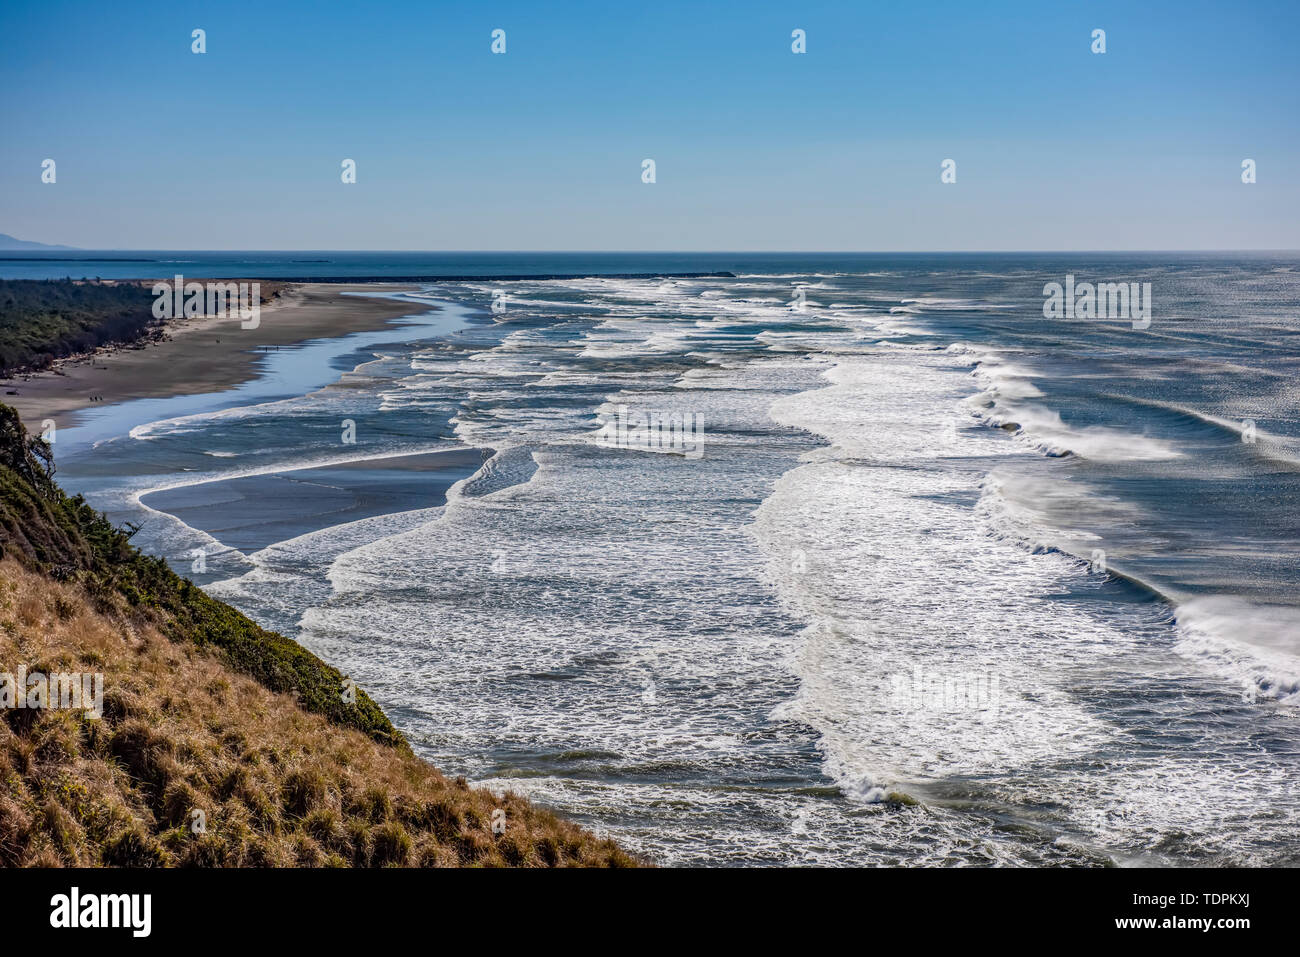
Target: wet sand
200, 355
251, 512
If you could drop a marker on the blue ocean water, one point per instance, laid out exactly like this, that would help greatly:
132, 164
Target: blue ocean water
951, 582
324, 264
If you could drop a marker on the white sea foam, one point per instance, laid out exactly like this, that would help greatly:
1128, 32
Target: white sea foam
614, 633
1003, 402
1257, 645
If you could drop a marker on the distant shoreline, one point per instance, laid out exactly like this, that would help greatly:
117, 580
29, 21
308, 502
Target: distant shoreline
211, 355
522, 277
430, 277
199, 355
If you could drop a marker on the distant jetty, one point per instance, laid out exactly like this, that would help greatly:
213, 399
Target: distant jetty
426, 278
539, 277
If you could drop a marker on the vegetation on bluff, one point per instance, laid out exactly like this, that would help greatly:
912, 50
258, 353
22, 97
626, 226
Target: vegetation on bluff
220, 743
68, 539
44, 320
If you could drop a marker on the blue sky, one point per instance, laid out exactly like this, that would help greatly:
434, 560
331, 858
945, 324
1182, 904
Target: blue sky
756, 148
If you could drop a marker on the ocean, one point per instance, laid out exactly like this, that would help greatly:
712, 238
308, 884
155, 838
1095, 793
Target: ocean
935, 579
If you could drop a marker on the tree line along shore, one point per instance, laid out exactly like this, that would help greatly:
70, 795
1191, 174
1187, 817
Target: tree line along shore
45, 320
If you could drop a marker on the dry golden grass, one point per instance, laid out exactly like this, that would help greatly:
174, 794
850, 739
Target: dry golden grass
181, 732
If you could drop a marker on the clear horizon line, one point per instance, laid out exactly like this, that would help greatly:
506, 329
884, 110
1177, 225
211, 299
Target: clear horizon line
661, 252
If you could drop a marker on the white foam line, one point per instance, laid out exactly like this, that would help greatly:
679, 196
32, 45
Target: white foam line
288, 466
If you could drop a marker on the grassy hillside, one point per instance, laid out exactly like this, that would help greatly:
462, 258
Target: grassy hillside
70, 541
204, 711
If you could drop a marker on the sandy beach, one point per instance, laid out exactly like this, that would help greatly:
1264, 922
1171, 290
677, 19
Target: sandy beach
199, 355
